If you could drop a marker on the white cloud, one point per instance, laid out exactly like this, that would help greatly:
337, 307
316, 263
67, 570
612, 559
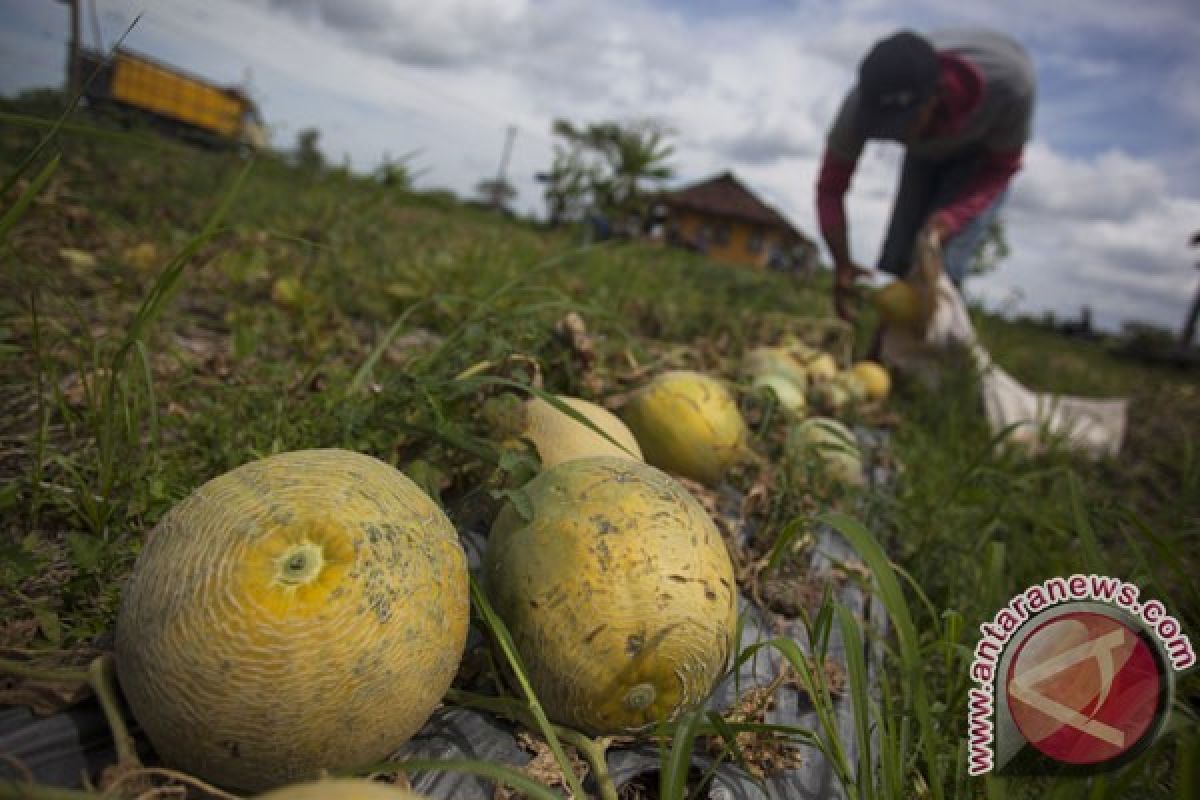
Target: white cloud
1112, 187
751, 91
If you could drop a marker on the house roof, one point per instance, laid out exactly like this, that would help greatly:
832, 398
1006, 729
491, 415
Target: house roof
725, 196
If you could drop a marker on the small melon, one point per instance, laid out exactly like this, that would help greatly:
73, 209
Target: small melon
832, 397
687, 423
341, 789
302, 612
876, 379
290, 293
559, 437
821, 449
787, 395
855, 386
822, 368
774, 361
898, 304
618, 592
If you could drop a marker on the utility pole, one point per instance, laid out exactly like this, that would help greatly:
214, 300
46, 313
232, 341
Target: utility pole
498, 190
1189, 327
73, 63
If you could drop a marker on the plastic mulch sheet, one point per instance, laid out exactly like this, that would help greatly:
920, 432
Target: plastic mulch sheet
60, 749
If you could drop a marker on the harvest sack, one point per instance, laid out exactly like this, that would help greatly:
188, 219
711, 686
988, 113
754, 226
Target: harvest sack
1034, 421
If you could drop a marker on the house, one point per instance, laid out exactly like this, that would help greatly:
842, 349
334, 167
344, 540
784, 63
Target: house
725, 220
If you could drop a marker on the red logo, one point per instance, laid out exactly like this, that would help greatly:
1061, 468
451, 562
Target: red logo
1084, 688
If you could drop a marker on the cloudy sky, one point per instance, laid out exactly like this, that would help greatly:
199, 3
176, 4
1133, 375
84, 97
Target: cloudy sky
1100, 215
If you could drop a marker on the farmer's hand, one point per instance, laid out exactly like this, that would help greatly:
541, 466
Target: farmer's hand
846, 273
937, 230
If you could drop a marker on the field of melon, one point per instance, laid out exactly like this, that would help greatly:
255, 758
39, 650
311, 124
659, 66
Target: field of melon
169, 315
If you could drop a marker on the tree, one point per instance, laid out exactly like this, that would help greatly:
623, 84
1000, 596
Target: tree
992, 250
605, 166
496, 192
307, 154
398, 173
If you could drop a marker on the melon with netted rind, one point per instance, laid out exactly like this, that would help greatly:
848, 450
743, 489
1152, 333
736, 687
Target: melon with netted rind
618, 592
559, 437
687, 423
341, 789
302, 612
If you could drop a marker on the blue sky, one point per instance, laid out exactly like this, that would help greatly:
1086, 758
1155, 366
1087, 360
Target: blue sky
1100, 215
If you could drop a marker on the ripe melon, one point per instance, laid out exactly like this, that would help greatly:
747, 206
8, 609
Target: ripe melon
787, 395
821, 450
618, 592
821, 368
687, 423
854, 385
302, 612
898, 304
341, 789
558, 437
762, 361
875, 378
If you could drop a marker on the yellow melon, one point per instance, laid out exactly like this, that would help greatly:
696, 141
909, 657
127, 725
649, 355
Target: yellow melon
822, 367
687, 423
341, 789
820, 451
558, 437
302, 612
898, 304
875, 378
774, 361
618, 592
854, 385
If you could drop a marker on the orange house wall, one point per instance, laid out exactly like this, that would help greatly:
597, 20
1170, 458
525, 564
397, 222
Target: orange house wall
735, 250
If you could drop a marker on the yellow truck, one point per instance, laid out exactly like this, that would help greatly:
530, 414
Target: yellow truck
189, 104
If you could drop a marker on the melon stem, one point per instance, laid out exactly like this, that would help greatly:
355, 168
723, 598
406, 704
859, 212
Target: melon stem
594, 751
100, 675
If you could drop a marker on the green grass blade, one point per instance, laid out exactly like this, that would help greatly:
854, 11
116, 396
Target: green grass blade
913, 663
673, 777
860, 697
45, 141
18, 209
504, 641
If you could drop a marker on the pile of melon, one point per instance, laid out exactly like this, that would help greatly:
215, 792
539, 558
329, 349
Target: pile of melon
307, 612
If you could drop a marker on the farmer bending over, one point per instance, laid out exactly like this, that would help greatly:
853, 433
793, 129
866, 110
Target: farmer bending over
962, 104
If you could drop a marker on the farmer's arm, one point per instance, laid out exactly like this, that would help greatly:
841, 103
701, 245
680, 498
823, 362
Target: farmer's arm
842, 149
832, 184
994, 174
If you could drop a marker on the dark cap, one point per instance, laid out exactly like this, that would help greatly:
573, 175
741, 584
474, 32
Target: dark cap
894, 80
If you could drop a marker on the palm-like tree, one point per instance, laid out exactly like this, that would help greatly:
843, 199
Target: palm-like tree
616, 161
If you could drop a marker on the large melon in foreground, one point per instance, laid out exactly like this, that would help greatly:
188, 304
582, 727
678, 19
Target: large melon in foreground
618, 592
687, 423
302, 612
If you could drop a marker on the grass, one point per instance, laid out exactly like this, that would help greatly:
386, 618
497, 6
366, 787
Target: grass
225, 311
